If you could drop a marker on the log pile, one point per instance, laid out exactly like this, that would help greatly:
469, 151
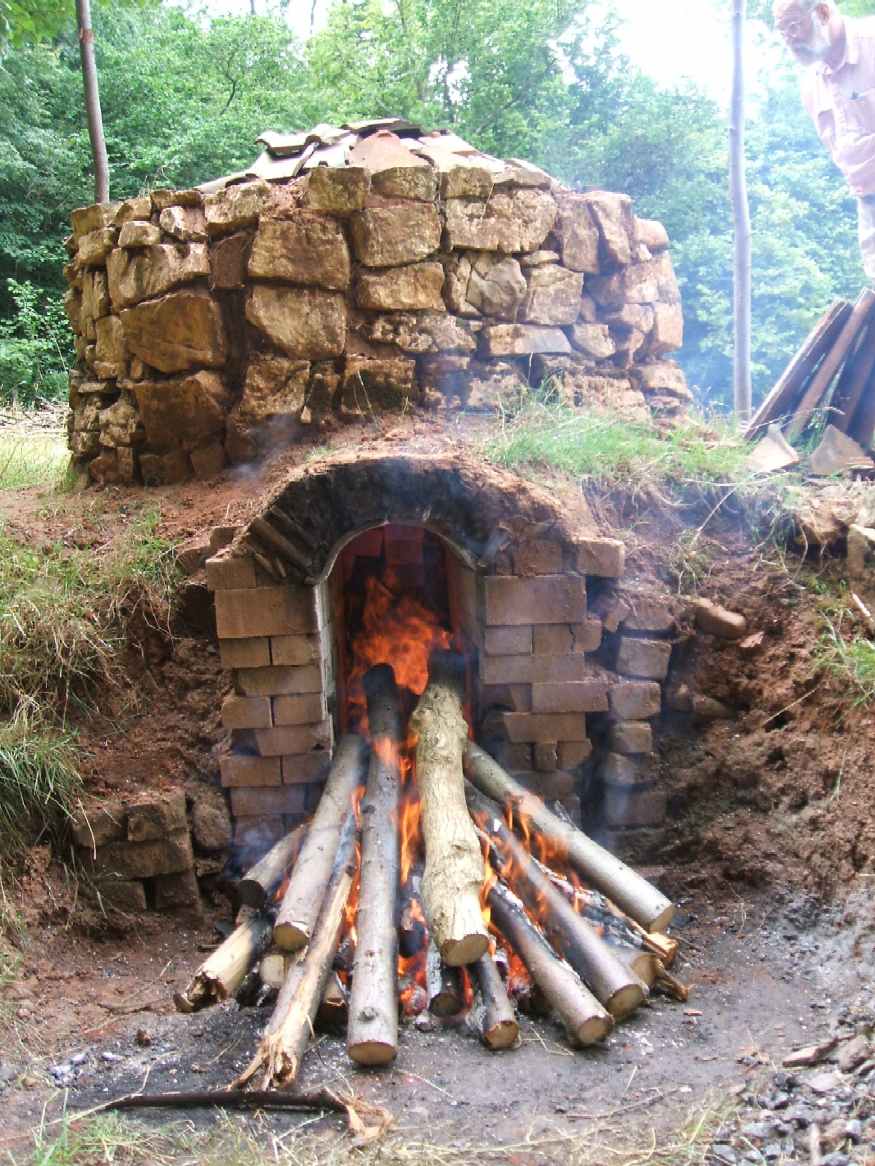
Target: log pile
511, 907
830, 385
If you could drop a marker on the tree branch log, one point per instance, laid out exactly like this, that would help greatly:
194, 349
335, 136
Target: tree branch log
222, 973
261, 882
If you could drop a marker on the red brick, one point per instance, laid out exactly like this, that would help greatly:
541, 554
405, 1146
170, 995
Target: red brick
508, 641
254, 653
246, 712
636, 808
603, 557
299, 710
269, 801
266, 611
537, 557
534, 669
293, 739
566, 639
155, 815
648, 614
238, 770
279, 681
225, 573
540, 727
587, 696
296, 650
542, 599
631, 737
635, 700
587, 635
406, 551
646, 659
574, 753
546, 757
305, 767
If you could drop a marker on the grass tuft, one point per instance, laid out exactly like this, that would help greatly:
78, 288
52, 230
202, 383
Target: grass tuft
32, 459
851, 661
39, 780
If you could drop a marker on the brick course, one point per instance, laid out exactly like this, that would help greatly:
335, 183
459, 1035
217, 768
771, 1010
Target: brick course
267, 611
545, 599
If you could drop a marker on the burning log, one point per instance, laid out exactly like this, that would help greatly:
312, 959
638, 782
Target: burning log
638, 898
585, 1020
261, 882
443, 985
453, 862
220, 976
300, 906
571, 935
372, 1036
334, 1008
493, 1015
285, 1039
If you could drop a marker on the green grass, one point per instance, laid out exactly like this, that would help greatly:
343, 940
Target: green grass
852, 661
32, 459
39, 781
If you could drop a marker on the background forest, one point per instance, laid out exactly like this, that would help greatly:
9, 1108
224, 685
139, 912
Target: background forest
185, 95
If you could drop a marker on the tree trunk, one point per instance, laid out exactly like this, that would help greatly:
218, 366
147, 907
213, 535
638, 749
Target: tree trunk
454, 872
219, 976
300, 906
92, 101
633, 894
261, 882
493, 1014
372, 1036
741, 221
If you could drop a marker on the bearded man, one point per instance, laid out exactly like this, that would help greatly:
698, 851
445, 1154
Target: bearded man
838, 90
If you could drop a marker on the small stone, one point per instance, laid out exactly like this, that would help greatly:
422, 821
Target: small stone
143, 1038
706, 708
824, 1082
719, 621
853, 1054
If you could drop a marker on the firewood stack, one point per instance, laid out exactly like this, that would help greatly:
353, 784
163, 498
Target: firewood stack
830, 380
511, 906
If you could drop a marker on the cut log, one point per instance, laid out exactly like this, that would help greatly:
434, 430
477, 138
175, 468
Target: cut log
783, 397
493, 1015
670, 985
643, 964
632, 893
262, 881
822, 379
443, 985
220, 977
454, 873
333, 1010
372, 1036
284, 1043
274, 968
585, 1020
300, 906
572, 937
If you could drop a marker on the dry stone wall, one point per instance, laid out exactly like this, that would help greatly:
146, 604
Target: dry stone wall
212, 324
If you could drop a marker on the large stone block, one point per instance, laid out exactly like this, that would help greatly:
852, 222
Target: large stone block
300, 768
95, 295
635, 700
165, 469
154, 817
604, 558
522, 340
668, 329
306, 249
95, 246
593, 340
664, 378
229, 572
645, 659
246, 712
482, 283
290, 739
512, 221
616, 224
295, 650
111, 350
542, 599
280, 681
634, 808
417, 287
338, 190
92, 218
120, 424
185, 412
286, 799
267, 611
186, 224
238, 770
631, 738
275, 386
534, 669
143, 275
306, 709
370, 385
419, 183
578, 234
306, 323
648, 613
553, 296
228, 261
134, 235
392, 235
142, 860
235, 207
253, 653
535, 728
174, 892
422, 332
179, 331
514, 641
585, 696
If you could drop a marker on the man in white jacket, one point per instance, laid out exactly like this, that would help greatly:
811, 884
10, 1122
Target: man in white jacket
838, 90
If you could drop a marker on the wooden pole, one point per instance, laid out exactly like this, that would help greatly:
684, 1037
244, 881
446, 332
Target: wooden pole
741, 220
221, 975
372, 1035
453, 874
633, 894
261, 882
585, 1020
493, 1015
93, 112
300, 906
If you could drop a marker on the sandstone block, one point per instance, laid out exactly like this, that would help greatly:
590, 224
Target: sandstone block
163, 198
254, 653
594, 340
603, 557
539, 600
280, 681
634, 808
515, 641
631, 738
152, 272
664, 378
86, 219
553, 639
267, 611
419, 183
186, 224
652, 234
706, 708
715, 620
134, 210
578, 234
635, 700
573, 380
95, 295
306, 323
479, 282
122, 894
238, 770
151, 820
546, 758
142, 860
210, 821
537, 556
235, 207
180, 331
291, 739
522, 340
393, 235
584, 696
95, 246
417, 287
370, 385
537, 728
421, 333
574, 753
512, 221
246, 712
137, 234
340, 191
648, 613
553, 296
295, 650
176, 892
95, 825
274, 800
636, 284
668, 329
638, 317
184, 412
621, 770
299, 710
228, 261
308, 248
275, 387
646, 659
460, 181
120, 424
302, 768
110, 345
231, 573
616, 225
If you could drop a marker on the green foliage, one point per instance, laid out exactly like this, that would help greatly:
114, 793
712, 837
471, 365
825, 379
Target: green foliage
39, 780
34, 347
851, 659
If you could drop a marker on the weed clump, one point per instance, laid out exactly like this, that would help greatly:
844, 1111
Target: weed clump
39, 780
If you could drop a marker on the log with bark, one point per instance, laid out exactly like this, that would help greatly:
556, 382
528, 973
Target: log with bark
302, 900
443, 985
454, 872
584, 1018
221, 975
262, 881
608, 874
334, 1007
493, 1015
284, 1042
372, 1037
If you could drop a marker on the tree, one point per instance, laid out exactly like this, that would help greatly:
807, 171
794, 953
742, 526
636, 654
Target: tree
741, 314
93, 113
